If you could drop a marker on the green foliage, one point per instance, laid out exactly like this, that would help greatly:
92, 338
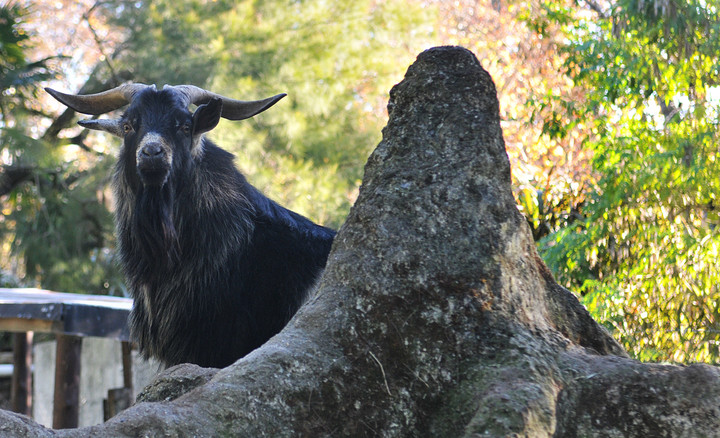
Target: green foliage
62, 230
18, 77
336, 61
53, 223
11, 37
168, 42
644, 256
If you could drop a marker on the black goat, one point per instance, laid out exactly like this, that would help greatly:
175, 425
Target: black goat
215, 268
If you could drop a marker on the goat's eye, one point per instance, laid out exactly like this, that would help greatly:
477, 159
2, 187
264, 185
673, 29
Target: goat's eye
127, 127
184, 128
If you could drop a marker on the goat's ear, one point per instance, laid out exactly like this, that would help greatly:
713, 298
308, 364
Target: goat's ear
113, 126
207, 116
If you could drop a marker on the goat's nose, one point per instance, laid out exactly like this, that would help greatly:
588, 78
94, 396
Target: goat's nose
151, 150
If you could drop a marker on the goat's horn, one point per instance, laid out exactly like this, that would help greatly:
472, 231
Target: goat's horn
99, 103
232, 109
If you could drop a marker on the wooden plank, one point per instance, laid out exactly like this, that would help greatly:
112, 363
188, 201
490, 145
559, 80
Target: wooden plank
31, 309
70, 316
21, 389
34, 296
76, 314
67, 382
83, 320
28, 325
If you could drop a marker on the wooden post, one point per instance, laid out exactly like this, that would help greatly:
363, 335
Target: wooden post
21, 392
67, 382
127, 364
117, 401
120, 399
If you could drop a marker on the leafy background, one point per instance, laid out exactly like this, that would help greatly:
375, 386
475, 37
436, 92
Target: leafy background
609, 110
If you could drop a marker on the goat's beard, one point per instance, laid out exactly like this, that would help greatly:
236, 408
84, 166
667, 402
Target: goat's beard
154, 228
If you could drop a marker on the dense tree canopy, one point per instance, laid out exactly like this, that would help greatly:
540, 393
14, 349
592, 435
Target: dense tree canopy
52, 217
609, 111
645, 252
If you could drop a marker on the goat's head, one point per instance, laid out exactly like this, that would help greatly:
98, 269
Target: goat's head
158, 129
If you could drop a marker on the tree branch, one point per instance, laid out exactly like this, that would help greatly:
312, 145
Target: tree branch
98, 41
13, 176
597, 8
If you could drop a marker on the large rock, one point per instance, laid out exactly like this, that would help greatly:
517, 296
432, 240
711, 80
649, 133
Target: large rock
435, 315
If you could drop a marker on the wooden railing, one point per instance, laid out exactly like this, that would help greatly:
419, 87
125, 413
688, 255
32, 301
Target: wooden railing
70, 317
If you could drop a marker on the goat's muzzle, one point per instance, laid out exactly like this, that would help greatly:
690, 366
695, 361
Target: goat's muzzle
154, 160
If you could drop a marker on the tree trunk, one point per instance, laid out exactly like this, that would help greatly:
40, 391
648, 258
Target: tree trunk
435, 315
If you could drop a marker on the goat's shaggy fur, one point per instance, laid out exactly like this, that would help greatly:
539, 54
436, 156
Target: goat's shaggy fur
215, 268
